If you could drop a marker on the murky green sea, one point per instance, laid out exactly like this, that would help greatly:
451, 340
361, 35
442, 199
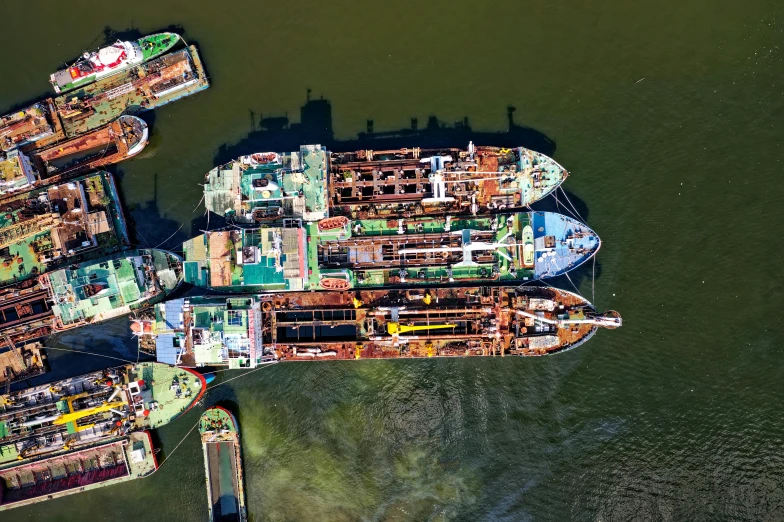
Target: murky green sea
669, 116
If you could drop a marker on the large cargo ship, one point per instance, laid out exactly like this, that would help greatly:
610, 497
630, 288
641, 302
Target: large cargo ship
117, 141
70, 222
79, 412
123, 459
313, 184
110, 60
243, 332
220, 442
87, 293
339, 253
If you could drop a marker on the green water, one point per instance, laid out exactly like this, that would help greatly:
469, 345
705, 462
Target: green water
667, 113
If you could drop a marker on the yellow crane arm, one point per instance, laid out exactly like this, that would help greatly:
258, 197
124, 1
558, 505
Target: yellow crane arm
397, 328
76, 415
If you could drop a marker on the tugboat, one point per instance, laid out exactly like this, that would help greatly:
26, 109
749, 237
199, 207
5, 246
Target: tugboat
94, 65
220, 441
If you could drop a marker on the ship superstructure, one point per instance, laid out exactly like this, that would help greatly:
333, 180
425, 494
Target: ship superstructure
120, 460
243, 332
87, 293
110, 60
313, 183
82, 411
49, 226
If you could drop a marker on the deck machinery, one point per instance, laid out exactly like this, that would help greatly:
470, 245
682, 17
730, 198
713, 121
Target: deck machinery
243, 332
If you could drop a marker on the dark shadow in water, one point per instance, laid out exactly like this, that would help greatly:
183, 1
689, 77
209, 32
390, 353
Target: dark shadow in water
277, 133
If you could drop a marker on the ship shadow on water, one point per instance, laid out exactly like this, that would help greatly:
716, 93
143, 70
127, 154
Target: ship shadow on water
278, 133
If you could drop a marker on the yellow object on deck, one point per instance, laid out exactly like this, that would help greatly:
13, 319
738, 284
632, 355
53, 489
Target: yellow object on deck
357, 303
427, 299
76, 415
397, 328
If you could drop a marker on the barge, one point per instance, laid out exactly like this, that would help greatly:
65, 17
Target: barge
117, 141
87, 293
313, 183
245, 331
80, 412
126, 458
48, 227
220, 442
339, 253
111, 60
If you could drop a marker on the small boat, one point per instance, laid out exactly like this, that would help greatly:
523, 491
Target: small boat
332, 223
94, 65
220, 441
334, 283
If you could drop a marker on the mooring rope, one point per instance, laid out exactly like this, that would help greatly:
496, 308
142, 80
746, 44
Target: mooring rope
89, 353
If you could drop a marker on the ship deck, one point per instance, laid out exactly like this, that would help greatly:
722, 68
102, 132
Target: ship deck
223, 465
138, 89
46, 226
75, 472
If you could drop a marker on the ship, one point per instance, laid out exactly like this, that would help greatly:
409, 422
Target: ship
110, 60
129, 92
18, 363
240, 332
313, 183
140, 88
47, 227
87, 293
120, 460
80, 412
220, 442
117, 141
338, 253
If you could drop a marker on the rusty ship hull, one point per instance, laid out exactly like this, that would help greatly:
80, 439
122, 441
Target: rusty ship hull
115, 142
242, 332
313, 183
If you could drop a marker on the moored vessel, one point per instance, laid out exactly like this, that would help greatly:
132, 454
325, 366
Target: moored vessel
246, 331
79, 412
87, 293
314, 184
110, 60
123, 459
220, 440
289, 255
117, 141
140, 88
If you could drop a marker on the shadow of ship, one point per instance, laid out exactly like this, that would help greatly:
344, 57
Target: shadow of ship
275, 133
